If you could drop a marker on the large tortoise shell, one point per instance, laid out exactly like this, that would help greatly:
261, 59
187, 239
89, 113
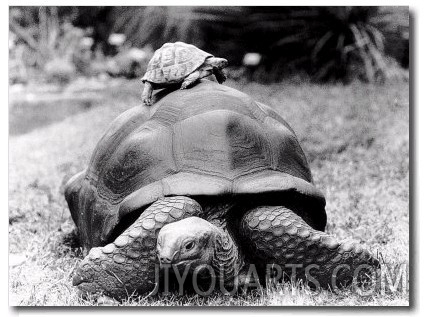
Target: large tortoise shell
173, 62
209, 140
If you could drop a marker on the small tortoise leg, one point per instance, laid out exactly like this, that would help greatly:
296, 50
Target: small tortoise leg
128, 265
220, 75
279, 236
146, 96
189, 80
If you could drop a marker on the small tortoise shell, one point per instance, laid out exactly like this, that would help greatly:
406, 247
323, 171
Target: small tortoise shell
173, 62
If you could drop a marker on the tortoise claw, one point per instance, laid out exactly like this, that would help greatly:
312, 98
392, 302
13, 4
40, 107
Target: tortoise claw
77, 280
147, 102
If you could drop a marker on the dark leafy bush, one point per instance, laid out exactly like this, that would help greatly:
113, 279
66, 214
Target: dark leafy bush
327, 43
322, 43
157, 25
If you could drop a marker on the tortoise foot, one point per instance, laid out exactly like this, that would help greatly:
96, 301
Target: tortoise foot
146, 96
128, 265
147, 102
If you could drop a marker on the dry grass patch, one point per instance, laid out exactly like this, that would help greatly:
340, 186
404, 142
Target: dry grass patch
356, 138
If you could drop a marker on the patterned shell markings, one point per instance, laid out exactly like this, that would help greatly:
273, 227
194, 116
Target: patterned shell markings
241, 146
173, 62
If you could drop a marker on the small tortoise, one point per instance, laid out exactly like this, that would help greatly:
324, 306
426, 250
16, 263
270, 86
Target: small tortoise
179, 62
210, 177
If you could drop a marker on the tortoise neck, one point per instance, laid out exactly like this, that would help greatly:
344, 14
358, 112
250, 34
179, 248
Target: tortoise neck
227, 260
211, 60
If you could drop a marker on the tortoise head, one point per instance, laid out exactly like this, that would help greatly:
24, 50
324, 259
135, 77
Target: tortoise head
188, 242
217, 62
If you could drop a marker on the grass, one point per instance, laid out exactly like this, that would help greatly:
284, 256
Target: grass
356, 138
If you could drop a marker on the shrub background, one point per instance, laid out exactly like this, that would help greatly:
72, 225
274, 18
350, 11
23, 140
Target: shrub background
323, 43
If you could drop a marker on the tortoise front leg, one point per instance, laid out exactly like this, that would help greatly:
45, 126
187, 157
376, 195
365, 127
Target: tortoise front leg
128, 264
146, 96
277, 235
189, 80
220, 75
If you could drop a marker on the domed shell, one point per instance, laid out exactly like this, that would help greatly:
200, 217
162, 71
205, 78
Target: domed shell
210, 140
173, 62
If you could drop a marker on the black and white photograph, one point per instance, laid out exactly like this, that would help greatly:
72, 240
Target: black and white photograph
209, 155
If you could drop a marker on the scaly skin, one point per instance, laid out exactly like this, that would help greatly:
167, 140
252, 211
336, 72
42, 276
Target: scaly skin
274, 235
128, 264
278, 235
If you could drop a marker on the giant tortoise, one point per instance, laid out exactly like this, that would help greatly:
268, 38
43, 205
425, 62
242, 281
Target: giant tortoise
207, 176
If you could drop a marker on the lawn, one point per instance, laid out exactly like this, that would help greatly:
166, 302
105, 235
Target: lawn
356, 138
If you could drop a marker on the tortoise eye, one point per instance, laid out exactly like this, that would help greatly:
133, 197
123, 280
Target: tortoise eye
189, 245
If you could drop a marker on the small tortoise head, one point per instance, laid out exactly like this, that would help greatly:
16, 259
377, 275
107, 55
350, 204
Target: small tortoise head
188, 242
217, 62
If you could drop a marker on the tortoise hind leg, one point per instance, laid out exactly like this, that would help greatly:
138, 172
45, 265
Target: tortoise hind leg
146, 96
279, 236
72, 193
128, 264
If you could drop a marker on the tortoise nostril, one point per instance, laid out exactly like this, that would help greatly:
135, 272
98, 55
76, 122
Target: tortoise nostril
165, 260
